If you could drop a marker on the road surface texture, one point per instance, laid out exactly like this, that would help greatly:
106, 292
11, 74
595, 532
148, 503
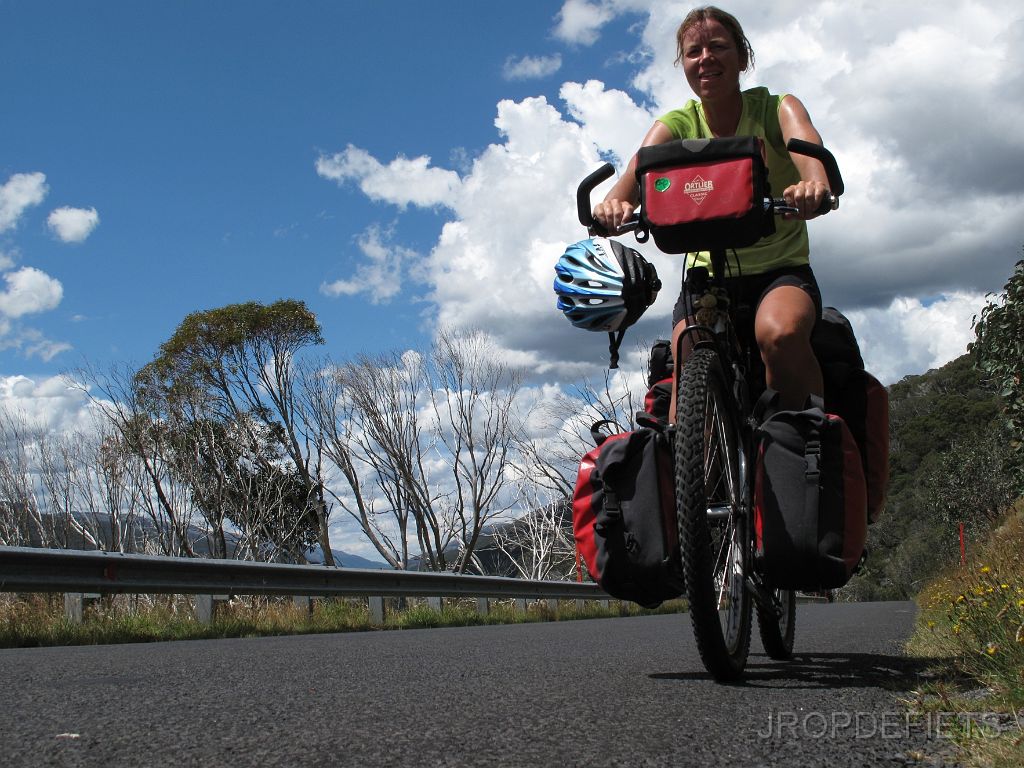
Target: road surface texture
629, 692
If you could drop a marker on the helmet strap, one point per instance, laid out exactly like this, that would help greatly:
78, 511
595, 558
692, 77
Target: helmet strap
614, 341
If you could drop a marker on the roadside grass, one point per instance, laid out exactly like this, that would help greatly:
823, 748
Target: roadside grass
38, 620
971, 627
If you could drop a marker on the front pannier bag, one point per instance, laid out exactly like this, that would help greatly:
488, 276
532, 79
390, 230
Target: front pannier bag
623, 512
810, 500
700, 194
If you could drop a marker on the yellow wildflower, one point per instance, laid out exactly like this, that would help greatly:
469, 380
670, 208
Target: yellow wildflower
985, 569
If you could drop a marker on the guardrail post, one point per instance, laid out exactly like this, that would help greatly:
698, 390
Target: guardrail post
606, 604
304, 603
435, 603
580, 603
483, 606
520, 605
377, 610
206, 607
74, 605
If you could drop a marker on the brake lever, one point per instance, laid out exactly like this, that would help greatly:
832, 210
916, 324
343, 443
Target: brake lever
830, 203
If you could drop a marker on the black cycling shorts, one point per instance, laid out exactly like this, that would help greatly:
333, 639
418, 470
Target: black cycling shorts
749, 290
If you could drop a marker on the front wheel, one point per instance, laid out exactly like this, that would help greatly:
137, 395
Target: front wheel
714, 515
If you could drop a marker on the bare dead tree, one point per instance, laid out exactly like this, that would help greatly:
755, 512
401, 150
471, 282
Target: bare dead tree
143, 444
70, 514
383, 397
421, 445
333, 416
539, 543
473, 401
21, 522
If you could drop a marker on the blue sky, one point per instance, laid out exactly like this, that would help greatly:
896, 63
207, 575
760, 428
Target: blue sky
392, 164
193, 129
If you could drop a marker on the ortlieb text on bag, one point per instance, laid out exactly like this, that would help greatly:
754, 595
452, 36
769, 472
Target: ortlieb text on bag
810, 500
699, 194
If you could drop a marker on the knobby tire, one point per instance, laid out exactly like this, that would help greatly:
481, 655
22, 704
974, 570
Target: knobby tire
716, 551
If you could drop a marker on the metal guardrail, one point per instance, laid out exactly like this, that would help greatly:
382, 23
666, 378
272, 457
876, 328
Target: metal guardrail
51, 570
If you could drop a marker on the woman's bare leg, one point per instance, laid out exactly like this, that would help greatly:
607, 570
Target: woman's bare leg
783, 328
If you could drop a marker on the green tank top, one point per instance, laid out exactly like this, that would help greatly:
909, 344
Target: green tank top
788, 247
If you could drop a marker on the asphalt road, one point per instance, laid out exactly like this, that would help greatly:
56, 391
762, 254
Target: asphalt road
628, 692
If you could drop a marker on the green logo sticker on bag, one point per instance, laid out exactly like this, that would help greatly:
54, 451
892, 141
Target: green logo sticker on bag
662, 184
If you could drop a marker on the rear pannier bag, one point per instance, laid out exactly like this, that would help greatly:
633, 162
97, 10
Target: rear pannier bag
659, 380
859, 398
699, 194
810, 501
863, 403
624, 522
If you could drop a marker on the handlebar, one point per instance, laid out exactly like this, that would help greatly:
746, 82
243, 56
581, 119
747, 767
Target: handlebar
583, 209
777, 205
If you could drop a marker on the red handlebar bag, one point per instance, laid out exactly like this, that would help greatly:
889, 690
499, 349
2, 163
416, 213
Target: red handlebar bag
702, 194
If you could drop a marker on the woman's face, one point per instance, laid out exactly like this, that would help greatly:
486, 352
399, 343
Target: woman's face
711, 60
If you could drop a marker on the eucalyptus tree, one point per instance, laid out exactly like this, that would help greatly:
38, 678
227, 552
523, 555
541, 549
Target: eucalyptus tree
225, 384
999, 347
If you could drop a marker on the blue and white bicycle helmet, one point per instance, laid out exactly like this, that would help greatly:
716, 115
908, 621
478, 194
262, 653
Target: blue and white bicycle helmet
602, 285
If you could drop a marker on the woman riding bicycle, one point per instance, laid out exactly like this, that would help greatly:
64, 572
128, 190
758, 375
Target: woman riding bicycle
774, 275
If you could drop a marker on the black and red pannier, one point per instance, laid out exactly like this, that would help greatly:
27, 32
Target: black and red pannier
810, 498
624, 514
859, 398
699, 194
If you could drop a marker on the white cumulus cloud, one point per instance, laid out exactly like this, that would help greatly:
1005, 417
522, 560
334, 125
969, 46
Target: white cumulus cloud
21, 191
580, 21
73, 225
401, 182
53, 404
379, 274
29, 291
913, 336
531, 67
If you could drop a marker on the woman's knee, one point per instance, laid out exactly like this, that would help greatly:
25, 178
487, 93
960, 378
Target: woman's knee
784, 323
783, 342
